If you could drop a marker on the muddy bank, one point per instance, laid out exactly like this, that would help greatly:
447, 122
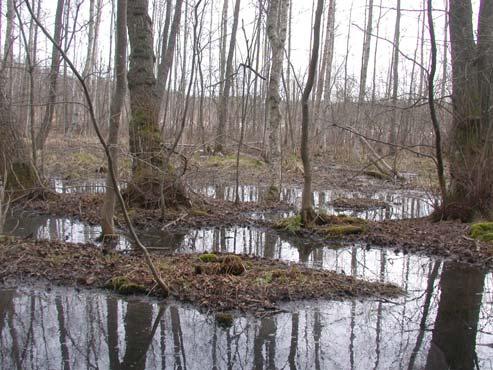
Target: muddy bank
210, 283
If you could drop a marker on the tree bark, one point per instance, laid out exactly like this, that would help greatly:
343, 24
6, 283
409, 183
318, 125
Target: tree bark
224, 94
431, 103
276, 31
146, 144
15, 163
470, 194
395, 79
53, 77
117, 102
307, 212
366, 52
168, 50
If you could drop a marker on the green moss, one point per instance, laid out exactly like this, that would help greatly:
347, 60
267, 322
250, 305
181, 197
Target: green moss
230, 161
339, 230
123, 285
85, 159
266, 279
21, 176
482, 231
208, 257
198, 213
325, 219
291, 224
224, 320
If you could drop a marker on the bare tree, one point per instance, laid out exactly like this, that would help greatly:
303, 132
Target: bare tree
117, 103
307, 212
169, 45
470, 193
431, 102
366, 52
276, 31
146, 144
224, 94
54, 69
395, 77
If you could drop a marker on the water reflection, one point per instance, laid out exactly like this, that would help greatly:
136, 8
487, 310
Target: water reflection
409, 204
400, 204
428, 329
444, 321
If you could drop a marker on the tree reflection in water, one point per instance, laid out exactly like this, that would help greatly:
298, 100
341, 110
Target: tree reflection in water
65, 329
453, 344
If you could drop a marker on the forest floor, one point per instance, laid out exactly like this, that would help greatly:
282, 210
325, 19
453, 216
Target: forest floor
264, 282
211, 281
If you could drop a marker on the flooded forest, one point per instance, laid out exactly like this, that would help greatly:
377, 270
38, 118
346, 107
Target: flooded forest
246, 184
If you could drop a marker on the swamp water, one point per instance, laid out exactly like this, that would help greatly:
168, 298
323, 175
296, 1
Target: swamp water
445, 320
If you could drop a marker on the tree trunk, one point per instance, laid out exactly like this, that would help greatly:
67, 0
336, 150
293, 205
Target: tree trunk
146, 144
366, 52
16, 168
276, 31
168, 49
395, 79
224, 94
53, 77
470, 193
324, 80
116, 108
307, 212
453, 343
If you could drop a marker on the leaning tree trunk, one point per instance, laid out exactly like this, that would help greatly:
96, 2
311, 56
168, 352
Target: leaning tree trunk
307, 212
146, 144
276, 31
470, 193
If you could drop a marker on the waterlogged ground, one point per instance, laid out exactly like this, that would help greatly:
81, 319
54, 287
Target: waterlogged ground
444, 321
394, 204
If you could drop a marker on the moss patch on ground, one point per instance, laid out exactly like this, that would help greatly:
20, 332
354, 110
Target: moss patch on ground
230, 161
482, 231
326, 225
261, 284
